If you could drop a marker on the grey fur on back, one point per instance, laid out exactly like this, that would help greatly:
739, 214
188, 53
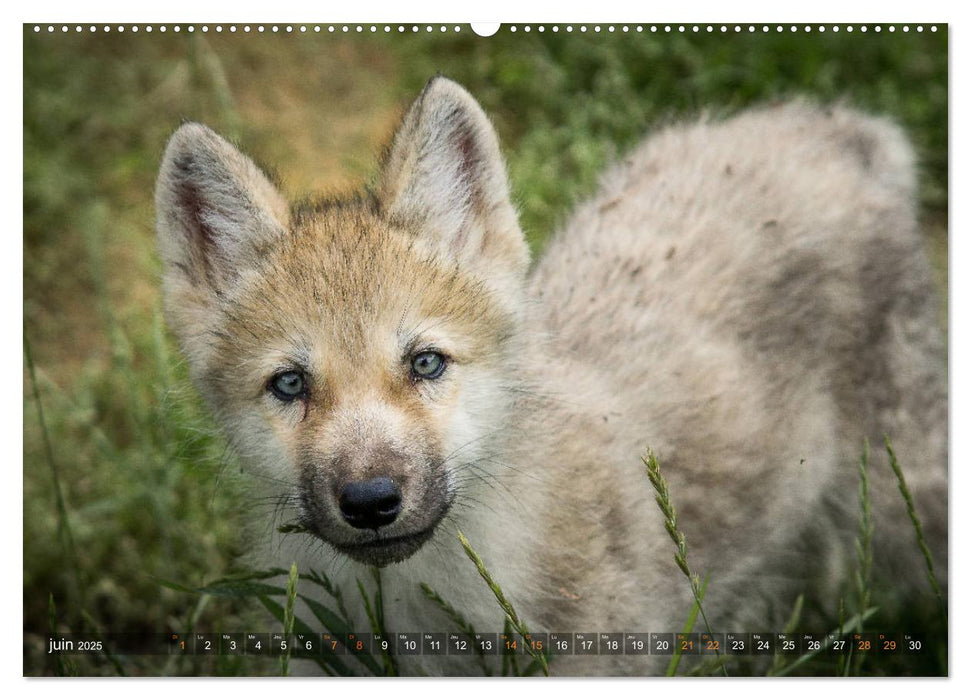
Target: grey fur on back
754, 297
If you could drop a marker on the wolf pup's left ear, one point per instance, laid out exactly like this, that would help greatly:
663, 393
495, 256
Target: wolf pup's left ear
444, 175
214, 210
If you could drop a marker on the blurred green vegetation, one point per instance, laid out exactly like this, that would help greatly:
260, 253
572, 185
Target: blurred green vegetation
565, 105
137, 459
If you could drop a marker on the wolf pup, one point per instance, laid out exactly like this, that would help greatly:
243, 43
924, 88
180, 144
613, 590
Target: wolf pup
749, 298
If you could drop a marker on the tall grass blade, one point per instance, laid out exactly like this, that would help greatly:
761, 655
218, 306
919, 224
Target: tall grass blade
864, 549
792, 624
378, 599
339, 628
375, 615
329, 663
322, 580
689, 625
708, 666
918, 529
227, 588
503, 602
855, 621
288, 618
64, 532
664, 502
510, 666
61, 665
461, 624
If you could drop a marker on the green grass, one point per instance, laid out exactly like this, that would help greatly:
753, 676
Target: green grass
565, 105
668, 510
866, 617
126, 481
512, 618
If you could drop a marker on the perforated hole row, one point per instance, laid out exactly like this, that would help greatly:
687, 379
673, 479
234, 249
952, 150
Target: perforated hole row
427, 28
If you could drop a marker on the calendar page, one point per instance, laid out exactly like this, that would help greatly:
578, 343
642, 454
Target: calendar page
523, 349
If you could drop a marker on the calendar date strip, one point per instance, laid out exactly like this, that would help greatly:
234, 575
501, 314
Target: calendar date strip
462, 644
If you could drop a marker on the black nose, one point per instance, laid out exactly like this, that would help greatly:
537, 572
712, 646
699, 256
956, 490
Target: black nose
370, 504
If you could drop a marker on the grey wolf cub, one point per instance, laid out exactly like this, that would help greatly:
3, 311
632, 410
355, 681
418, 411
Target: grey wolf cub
748, 297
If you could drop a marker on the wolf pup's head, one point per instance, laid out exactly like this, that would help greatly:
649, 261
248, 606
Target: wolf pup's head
359, 353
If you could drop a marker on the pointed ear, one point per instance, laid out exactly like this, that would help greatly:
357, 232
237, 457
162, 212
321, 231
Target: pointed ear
214, 208
444, 175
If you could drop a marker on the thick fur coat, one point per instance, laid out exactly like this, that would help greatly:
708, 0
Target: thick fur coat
749, 298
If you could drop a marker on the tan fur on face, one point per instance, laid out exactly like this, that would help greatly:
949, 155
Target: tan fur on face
365, 416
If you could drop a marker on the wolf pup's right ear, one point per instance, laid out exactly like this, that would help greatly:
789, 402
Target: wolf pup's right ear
214, 210
444, 176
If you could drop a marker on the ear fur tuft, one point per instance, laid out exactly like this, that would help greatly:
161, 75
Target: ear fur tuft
214, 207
445, 176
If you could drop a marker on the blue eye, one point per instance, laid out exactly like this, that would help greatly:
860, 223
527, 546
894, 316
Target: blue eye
428, 365
288, 386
